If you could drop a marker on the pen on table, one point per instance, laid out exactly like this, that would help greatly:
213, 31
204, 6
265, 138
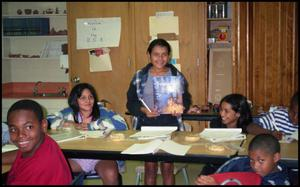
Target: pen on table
145, 105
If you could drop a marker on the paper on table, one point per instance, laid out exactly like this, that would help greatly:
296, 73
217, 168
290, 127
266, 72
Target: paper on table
158, 128
174, 148
289, 138
96, 133
151, 132
151, 147
295, 135
58, 137
9, 147
222, 134
145, 148
66, 136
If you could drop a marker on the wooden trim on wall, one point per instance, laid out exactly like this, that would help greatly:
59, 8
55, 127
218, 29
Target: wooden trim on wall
240, 40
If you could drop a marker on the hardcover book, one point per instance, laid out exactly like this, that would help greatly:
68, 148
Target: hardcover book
168, 92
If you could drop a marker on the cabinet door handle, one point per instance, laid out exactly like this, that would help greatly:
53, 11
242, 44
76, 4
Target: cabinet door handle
233, 55
129, 62
198, 62
76, 79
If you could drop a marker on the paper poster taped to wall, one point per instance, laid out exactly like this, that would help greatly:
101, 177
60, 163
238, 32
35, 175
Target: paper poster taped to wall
99, 60
175, 48
98, 32
163, 24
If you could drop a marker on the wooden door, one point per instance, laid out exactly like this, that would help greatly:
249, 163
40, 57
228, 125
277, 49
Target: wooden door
274, 71
265, 56
110, 85
192, 41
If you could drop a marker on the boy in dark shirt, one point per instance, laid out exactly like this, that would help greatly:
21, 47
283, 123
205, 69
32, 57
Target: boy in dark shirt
263, 159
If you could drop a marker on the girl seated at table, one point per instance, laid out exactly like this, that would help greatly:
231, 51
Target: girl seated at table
85, 113
234, 112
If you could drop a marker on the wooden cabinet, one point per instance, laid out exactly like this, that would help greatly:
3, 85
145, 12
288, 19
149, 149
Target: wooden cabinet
131, 53
263, 37
192, 43
219, 26
110, 85
191, 37
265, 60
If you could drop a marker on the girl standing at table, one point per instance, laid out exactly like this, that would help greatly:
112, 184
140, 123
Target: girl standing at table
234, 112
85, 113
141, 86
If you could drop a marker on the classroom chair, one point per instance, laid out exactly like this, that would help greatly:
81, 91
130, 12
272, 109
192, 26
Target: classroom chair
177, 166
80, 177
293, 176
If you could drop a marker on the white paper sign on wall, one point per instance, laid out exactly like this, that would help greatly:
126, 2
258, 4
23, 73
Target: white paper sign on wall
98, 32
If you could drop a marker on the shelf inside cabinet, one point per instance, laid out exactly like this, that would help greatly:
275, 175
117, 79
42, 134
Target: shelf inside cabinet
36, 36
10, 58
33, 15
32, 42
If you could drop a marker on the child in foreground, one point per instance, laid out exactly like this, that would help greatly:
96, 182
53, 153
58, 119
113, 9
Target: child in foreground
263, 159
39, 160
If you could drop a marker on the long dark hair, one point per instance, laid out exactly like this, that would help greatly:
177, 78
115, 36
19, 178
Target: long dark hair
159, 42
240, 105
76, 93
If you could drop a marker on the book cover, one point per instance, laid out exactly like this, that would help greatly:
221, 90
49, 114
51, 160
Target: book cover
168, 92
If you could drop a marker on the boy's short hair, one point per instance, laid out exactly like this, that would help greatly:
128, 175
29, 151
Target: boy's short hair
27, 104
266, 142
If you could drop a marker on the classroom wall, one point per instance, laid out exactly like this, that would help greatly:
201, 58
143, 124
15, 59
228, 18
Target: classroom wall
24, 72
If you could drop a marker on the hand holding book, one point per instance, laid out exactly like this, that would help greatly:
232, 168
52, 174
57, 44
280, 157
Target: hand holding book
146, 110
